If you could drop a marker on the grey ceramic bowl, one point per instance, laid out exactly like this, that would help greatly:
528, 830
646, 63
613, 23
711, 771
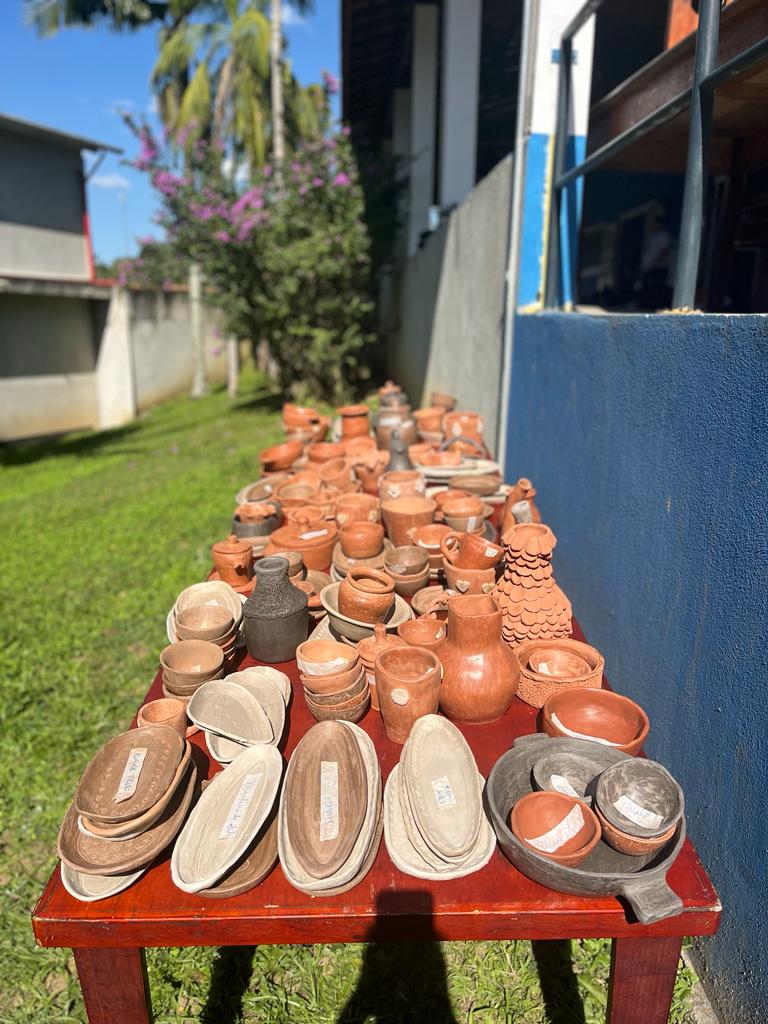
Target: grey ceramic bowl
572, 774
640, 798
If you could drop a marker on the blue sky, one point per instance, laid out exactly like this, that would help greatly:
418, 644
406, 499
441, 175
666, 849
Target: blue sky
79, 80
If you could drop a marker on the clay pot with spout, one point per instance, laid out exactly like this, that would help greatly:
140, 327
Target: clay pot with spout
480, 673
366, 595
523, 490
470, 551
408, 687
233, 559
401, 515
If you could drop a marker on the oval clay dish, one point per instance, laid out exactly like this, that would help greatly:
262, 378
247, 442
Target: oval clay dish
95, 856
230, 711
228, 815
640, 880
440, 774
129, 774
253, 867
89, 888
325, 798
280, 679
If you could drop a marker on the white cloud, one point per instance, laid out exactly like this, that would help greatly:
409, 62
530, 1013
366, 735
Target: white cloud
153, 106
292, 17
112, 180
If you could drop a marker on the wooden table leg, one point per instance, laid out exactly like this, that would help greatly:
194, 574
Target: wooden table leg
114, 984
643, 973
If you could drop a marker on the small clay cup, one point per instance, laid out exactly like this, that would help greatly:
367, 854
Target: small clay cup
428, 633
408, 687
537, 814
470, 551
280, 456
469, 581
203, 622
401, 515
589, 714
189, 662
337, 472
361, 539
408, 560
166, 711
357, 508
366, 595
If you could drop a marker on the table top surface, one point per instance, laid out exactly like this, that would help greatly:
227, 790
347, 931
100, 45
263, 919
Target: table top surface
497, 902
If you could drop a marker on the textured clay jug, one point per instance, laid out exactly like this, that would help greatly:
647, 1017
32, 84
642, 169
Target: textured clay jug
275, 615
480, 673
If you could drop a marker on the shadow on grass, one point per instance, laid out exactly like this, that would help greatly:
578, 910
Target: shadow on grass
559, 989
229, 983
26, 452
401, 982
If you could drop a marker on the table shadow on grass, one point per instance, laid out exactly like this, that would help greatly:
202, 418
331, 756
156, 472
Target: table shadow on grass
401, 982
559, 988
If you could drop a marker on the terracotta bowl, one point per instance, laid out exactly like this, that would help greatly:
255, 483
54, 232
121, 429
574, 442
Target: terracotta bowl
334, 683
640, 797
324, 657
350, 693
566, 773
352, 713
337, 472
280, 456
483, 485
204, 622
208, 593
191, 661
361, 539
410, 584
424, 598
558, 663
407, 560
535, 817
324, 451
441, 459
596, 715
429, 633
631, 845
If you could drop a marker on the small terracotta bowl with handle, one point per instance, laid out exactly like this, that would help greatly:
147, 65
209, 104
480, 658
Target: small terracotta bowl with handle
166, 711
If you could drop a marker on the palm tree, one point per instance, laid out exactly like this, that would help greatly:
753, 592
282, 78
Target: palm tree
48, 16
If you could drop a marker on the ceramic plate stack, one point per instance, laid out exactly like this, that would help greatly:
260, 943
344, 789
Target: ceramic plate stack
129, 805
245, 709
212, 593
330, 820
434, 823
334, 680
229, 843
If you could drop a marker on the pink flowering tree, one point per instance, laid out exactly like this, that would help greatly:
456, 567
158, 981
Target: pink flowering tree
288, 263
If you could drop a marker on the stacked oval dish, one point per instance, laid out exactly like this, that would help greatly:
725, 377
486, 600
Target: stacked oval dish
334, 680
245, 709
434, 824
228, 844
330, 820
129, 805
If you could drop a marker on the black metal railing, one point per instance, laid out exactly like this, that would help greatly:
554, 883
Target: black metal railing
707, 77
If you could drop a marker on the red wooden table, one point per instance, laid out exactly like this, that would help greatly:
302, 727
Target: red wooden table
109, 937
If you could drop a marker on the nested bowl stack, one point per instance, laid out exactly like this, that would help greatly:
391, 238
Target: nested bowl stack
334, 680
552, 666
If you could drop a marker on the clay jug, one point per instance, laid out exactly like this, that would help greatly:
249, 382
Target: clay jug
408, 687
480, 673
275, 616
399, 460
233, 559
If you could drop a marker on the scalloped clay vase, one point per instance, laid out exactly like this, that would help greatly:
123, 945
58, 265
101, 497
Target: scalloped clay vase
275, 616
408, 687
480, 673
233, 559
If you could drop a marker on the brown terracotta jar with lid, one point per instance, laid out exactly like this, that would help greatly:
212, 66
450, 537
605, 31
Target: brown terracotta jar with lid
480, 673
233, 559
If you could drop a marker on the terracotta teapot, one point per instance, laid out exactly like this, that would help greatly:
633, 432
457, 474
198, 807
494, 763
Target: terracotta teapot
480, 673
470, 551
233, 560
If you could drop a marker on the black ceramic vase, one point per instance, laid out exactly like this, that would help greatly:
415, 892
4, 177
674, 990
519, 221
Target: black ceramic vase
275, 615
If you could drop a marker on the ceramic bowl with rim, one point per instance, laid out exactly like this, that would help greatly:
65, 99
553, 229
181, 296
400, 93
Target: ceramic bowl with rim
633, 846
566, 773
352, 629
599, 716
191, 661
324, 657
407, 560
556, 826
204, 622
640, 798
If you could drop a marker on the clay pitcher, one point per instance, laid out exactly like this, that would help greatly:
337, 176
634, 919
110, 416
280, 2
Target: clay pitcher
480, 673
408, 687
233, 559
523, 490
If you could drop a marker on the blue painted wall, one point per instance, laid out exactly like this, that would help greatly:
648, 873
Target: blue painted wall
647, 438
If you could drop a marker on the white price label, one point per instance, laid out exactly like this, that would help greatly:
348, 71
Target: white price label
240, 805
329, 800
558, 836
129, 780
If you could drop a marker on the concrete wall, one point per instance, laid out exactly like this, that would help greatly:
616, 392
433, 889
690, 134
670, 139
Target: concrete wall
71, 363
41, 209
646, 437
451, 303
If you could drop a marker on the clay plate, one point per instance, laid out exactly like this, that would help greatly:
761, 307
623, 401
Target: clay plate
98, 786
94, 856
226, 818
325, 806
231, 711
253, 867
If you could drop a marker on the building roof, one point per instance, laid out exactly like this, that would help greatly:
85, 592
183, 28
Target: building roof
39, 131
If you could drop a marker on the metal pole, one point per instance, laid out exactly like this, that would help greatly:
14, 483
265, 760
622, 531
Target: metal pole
554, 261
698, 149
199, 376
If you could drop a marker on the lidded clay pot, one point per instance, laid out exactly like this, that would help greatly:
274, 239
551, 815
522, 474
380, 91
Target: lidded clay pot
370, 648
408, 687
275, 616
366, 595
233, 559
480, 673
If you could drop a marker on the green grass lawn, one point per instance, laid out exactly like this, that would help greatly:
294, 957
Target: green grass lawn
100, 532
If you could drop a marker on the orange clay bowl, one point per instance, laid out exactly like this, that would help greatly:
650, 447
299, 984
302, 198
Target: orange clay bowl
324, 657
324, 451
360, 699
280, 456
334, 683
536, 814
361, 539
407, 560
596, 715
635, 846
350, 692
204, 622
191, 661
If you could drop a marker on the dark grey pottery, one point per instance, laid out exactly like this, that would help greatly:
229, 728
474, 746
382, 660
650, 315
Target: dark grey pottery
262, 529
399, 460
649, 786
275, 616
577, 771
640, 880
